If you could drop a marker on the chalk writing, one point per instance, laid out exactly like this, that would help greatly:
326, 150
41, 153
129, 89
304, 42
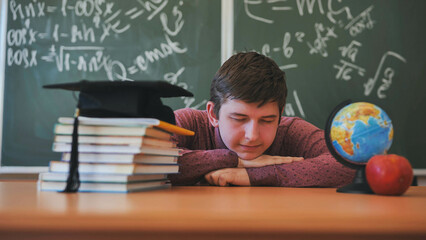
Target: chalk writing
172, 78
30, 10
275, 5
85, 34
153, 7
346, 68
351, 50
299, 36
289, 109
178, 23
286, 50
151, 56
63, 60
22, 56
18, 37
78, 47
288, 66
358, 24
247, 4
336, 34
332, 13
310, 4
388, 75
281, 5
386, 82
319, 45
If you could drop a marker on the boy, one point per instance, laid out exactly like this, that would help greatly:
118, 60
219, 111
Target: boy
241, 138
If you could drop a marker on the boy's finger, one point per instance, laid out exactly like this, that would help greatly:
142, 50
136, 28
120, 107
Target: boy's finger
208, 178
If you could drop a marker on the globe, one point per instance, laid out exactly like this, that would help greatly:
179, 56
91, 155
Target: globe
359, 131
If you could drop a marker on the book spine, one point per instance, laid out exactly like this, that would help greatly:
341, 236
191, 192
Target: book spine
85, 148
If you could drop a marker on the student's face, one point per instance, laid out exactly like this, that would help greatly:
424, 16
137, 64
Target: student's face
245, 128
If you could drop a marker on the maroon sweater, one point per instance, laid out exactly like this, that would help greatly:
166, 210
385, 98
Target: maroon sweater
205, 152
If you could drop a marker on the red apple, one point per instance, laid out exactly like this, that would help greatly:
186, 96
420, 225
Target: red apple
389, 174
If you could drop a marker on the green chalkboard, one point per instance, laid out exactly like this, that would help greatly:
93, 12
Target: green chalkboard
333, 50
50, 41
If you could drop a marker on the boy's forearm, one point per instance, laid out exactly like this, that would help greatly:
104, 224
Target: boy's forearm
193, 165
321, 171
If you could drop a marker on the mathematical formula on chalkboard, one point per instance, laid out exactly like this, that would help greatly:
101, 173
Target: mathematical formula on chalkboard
334, 50
82, 45
49, 41
336, 16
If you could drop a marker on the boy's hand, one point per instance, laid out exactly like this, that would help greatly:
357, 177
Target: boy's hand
228, 176
265, 160
239, 176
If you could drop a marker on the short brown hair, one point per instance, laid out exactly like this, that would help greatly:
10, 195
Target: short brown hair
250, 77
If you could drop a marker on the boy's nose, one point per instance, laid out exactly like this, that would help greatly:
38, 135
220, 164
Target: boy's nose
252, 131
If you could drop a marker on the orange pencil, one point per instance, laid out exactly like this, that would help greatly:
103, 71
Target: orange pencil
175, 129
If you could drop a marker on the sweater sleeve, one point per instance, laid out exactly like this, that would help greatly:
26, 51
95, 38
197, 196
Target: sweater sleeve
199, 156
194, 164
318, 169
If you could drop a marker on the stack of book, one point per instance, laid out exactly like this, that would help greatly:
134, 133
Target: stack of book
115, 154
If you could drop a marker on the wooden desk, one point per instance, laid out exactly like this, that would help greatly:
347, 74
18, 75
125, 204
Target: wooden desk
210, 213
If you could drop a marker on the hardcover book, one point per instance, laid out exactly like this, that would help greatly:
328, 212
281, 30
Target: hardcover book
106, 187
103, 178
117, 140
110, 168
91, 148
121, 158
67, 129
128, 122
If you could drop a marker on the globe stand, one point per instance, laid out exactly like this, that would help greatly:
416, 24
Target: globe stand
358, 185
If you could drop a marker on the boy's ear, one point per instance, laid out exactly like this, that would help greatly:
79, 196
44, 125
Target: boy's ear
213, 119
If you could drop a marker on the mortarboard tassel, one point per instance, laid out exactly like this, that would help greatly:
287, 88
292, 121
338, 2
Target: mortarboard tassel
73, 181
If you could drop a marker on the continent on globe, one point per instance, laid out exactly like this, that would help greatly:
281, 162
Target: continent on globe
361, 130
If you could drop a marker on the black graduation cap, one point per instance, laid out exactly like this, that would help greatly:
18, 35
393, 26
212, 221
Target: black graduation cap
138, 99
124, 98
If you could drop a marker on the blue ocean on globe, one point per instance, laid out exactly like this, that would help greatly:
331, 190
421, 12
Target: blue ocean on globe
360, 131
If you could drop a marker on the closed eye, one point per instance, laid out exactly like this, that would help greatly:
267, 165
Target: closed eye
268, 119
238, 119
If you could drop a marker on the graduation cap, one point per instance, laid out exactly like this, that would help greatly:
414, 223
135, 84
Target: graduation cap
137, 99
124, 99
